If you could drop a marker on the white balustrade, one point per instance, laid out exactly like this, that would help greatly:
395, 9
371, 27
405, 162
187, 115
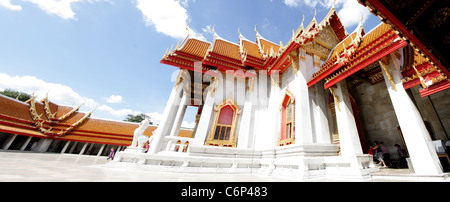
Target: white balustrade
178, 144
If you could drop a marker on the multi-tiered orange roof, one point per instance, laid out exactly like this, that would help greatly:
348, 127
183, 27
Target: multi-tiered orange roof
45, 119
328, 41
246, 55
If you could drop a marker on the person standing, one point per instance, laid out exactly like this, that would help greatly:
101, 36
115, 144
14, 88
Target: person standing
386, 154
379, 154
402, 154
111, 154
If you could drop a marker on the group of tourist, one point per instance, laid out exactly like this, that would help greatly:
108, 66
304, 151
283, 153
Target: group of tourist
381, 154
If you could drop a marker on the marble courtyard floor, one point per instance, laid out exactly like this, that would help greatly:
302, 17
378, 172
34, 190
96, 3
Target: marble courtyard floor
16, 166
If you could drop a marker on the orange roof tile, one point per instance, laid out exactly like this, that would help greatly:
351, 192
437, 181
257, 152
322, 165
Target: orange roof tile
374, 34
195, 47
251, 49
226, 49
14, 108
267, 45
20, 131
15, 118
62, 110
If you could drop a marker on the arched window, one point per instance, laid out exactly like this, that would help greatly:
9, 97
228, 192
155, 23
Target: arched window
223, 130
186, 145
177, 145
287, 136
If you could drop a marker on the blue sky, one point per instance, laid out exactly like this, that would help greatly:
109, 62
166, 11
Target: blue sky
106, 53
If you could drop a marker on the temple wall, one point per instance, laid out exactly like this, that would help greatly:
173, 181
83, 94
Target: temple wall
435, 112
377, 115
441, 103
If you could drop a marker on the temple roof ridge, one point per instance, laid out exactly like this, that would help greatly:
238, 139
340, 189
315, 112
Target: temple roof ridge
228, 41
242, 37
328, 17
188, 37
15, 100
265, 39
358, 34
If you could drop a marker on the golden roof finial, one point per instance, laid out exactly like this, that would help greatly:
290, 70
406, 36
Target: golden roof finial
315, 13
256, 30
170, 52
303, 20
422, 81
165, 54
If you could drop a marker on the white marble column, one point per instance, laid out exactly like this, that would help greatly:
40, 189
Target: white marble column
43, 145
245, 131
10, 140
26, 143
420, 147
84, 148
90, 149
65, 147
205, 119
348, 132
269, 139
303, 127
101, 150
178, 118
73, 147
166, 122
320, 107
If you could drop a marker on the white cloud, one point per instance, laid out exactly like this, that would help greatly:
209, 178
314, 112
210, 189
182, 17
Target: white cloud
186, 124
168, 17
61, 8
155, 117
349, 13
114, 99
7, 4
117, 113
57, 93
310, 3
208, 29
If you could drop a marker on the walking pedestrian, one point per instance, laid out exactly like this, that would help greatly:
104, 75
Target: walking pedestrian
111, 154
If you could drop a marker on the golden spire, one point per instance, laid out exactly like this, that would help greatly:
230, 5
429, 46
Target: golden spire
170, 52
315, 13
165, 54
187, 28
303, 20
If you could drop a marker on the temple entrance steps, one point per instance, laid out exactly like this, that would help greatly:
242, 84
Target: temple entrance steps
300, 162
406, 174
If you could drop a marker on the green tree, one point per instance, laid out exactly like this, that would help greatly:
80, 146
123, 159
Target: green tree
137, 118
16, 94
